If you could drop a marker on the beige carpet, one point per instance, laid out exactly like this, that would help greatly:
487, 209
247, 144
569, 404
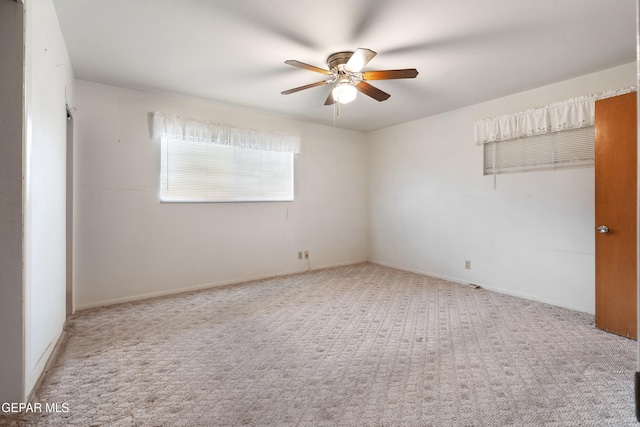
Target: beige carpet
362, 345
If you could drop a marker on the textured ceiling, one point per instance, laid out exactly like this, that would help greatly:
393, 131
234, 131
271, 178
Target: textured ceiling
233, 52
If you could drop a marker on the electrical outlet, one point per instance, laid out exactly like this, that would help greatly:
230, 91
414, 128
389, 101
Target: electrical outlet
306, 254
467, 265
299, 255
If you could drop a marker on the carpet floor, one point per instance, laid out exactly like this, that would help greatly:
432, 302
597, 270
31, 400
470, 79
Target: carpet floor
361, 345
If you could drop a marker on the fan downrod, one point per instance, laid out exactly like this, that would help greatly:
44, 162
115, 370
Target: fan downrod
339, 58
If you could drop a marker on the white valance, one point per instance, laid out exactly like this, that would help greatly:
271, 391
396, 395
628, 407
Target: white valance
570, 114
187, 129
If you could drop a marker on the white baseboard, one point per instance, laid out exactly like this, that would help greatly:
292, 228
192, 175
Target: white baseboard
203, 286
488, 287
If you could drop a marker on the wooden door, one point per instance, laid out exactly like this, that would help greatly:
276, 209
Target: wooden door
616, 219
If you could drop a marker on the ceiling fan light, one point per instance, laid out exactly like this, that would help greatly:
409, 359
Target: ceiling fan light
344, 93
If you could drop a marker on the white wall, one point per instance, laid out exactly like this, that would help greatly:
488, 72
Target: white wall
430, 207
421, 193
129, 245
48, 88
11, 130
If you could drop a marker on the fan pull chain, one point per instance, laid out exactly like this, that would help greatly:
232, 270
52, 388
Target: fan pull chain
335, 113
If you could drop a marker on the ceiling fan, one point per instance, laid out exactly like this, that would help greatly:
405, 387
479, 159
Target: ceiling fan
345, 70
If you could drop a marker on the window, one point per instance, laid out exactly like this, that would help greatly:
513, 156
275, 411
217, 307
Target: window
569, 148
203, 161
558, 135
207, 172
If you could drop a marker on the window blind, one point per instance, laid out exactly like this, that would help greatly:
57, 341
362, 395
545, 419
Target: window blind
569, 148
203, 172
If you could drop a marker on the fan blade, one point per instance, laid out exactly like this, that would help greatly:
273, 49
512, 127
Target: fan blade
330, 100
297, 89
359, 59
306, 66
372, 91
407, 73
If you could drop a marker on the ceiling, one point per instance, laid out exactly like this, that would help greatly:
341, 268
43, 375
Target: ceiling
233, 52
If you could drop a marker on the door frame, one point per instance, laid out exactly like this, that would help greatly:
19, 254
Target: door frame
69, 216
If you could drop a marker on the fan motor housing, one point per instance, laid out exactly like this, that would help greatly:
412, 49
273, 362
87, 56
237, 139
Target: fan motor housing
338, 58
